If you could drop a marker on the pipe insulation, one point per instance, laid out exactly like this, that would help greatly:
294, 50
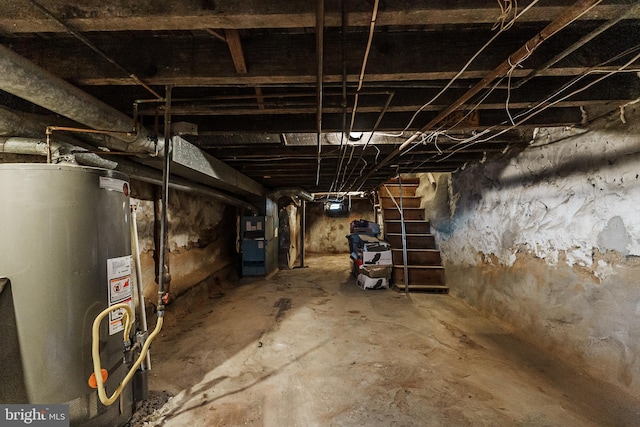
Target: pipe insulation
59, 150
291, 192
24, 79
37, 147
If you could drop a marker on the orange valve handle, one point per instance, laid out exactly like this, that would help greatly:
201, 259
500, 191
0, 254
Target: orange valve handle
93, 383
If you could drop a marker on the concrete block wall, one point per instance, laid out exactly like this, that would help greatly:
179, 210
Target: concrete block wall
547, 240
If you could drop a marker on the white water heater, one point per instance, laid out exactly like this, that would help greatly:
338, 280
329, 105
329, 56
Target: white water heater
65, 255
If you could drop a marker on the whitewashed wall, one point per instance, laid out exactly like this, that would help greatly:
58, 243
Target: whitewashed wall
549, 242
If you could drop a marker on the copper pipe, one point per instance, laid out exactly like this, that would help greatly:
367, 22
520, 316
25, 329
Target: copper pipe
51, 129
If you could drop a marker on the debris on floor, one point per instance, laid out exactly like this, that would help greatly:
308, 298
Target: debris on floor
146, 410
327, 354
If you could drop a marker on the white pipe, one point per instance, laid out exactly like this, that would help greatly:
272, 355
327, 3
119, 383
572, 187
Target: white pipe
432, 180
37, 147
135, 249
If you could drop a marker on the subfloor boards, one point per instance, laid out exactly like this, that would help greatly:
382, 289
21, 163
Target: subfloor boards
307, 347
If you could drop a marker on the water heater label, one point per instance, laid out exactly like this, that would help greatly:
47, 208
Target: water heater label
120, 289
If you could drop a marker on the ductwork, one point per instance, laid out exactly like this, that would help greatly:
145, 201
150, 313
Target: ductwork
154, 176
291, 192
26, 80
13, 124
68, 152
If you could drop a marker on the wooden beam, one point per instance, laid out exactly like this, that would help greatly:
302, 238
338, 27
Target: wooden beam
216, 34
235, 47
276, 59
214, 110
231, 14
232, 38
266, 80
259, 97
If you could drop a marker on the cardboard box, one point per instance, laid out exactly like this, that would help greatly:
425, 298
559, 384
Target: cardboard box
372, 244
362, 226
376, 258
365, 282
376, 271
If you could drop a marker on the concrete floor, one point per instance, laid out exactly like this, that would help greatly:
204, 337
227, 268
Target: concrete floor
309, 348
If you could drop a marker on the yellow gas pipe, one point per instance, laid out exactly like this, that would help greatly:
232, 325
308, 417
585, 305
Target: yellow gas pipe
127, 320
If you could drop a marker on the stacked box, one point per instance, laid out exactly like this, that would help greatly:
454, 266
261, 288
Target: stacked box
372, 261
366, 282
376, 271
362, 226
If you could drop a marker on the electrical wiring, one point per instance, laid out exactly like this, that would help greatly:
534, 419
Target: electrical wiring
352, 182
470, 141
560, 23
545, 104
509, 7
365, 59
344, 174
426, 138
464, 144
473, 58
372, 26
390, 96
343, 43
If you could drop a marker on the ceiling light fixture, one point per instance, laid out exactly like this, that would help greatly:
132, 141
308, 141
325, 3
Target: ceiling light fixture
355, 136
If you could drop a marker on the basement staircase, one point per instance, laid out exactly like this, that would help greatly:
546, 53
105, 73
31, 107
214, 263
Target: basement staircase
404, 223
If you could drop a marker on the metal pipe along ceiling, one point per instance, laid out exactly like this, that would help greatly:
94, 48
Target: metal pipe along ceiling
33, 144
320, 77
26, 80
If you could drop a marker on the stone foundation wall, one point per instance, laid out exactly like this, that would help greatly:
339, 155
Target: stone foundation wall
202, 235
547, 240
326, 234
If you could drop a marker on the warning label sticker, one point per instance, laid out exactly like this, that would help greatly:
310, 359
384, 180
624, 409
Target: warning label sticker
120, 289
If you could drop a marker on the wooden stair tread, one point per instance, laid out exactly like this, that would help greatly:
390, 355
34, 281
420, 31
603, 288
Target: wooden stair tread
405, 181
410, 234
438, 289
416, 221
